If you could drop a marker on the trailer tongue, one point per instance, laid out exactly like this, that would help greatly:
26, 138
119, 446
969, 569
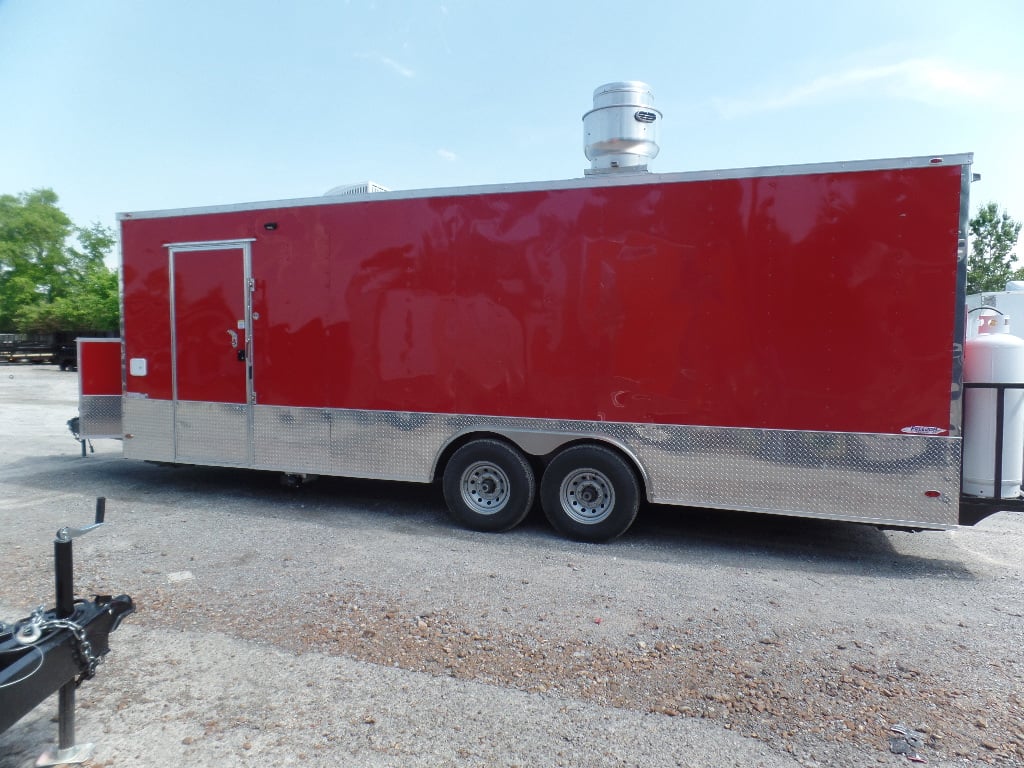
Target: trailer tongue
56, 650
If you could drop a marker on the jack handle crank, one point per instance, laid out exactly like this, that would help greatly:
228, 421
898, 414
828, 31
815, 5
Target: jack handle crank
66, 533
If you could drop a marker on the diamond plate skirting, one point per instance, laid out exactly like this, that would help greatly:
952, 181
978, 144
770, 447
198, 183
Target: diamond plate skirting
212, 433
863, 477
99, 416
148, 429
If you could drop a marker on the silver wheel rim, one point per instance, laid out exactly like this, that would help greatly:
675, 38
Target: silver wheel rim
485, 488
587, 496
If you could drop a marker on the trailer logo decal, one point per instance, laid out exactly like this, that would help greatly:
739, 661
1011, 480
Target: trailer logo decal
923, 430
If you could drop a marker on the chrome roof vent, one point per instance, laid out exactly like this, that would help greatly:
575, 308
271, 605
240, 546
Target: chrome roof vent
621, 132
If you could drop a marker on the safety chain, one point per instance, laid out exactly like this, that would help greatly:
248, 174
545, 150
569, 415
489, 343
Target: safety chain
31, 632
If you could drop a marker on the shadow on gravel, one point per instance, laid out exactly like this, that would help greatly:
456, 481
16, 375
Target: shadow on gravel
660, 534
36, 732
775, 541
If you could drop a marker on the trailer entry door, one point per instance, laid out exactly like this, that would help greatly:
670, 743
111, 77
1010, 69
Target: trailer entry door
212, 350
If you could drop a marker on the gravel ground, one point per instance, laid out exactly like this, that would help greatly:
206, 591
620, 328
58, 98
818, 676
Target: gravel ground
351, 621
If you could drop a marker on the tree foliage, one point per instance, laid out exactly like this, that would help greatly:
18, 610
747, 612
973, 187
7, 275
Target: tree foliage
52, 273
992, 262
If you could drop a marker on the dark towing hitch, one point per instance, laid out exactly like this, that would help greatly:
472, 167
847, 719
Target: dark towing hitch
55, 650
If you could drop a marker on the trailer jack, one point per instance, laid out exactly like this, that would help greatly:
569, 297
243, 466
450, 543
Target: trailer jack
73, 425
296, 480
58, 649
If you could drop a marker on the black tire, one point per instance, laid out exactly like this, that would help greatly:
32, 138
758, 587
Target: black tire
590, 493
488, 486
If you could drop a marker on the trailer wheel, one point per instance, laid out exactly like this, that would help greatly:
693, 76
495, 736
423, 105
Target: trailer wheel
488, 486
590, 493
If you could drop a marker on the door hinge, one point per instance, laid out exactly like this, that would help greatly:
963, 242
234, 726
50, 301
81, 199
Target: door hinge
252, 398
252, 284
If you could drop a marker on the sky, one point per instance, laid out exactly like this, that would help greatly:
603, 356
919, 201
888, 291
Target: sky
132, 106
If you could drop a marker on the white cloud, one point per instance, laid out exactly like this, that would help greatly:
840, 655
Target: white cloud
925, 80
447, 154
401, 69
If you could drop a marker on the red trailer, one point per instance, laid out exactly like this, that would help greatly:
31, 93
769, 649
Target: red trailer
784, 340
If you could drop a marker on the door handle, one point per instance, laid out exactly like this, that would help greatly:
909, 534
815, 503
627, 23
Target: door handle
234, 339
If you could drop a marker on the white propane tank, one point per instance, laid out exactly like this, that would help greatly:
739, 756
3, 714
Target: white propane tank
993, 356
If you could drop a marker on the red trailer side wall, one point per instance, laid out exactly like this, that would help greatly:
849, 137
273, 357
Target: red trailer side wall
99, 367
99, 388
806, 302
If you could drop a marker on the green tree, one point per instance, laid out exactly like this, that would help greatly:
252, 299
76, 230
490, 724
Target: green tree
52, 274
991, 261
90, 305
33, 231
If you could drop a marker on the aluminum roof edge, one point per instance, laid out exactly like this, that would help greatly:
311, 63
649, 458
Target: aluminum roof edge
615, 179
